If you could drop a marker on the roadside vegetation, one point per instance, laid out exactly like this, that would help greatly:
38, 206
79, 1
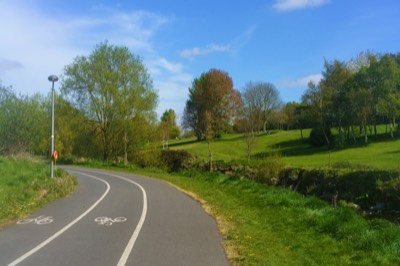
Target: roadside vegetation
25, 186
268, 225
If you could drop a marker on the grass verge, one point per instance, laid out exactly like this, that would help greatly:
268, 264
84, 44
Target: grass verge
26, 185
263, 225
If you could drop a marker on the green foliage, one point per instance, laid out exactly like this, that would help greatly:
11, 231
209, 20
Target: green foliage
175, 160
211, 104
149, 158
267, 170
112, 88
26, 185
360, 94
23, 123
321, 137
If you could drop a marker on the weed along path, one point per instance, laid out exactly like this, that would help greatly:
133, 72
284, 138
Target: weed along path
115, 219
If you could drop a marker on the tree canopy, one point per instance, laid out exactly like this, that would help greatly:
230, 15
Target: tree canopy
111, 87
212, 103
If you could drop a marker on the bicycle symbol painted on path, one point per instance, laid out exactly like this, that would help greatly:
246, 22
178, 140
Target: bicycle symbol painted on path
41, 220
109, 221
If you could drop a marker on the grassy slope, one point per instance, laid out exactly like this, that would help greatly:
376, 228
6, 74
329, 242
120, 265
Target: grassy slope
382, 153
26, 185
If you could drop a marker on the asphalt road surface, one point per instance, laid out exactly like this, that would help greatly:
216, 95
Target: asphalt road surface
115, 219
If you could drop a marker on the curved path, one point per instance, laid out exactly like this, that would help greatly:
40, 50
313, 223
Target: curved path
115, 219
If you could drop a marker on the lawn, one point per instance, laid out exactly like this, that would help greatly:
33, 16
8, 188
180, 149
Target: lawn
380, 152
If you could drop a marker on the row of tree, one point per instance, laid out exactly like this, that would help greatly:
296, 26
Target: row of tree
355, 97
106, 106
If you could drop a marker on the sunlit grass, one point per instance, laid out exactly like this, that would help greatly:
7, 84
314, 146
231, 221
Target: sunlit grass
382, 152
26, 185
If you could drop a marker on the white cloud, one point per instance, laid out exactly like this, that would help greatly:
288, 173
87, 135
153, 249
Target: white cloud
301, 82
211, 48
9, 65
155, 64
286, 5
233, 47
36, 43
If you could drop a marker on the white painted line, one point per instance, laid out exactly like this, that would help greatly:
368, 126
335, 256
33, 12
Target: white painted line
131, 243
47, 241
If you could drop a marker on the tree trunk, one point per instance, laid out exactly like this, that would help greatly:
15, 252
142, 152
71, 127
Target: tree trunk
354, 135
125, 148
209, 156
301, 133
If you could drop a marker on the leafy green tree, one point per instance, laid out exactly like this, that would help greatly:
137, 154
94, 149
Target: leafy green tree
169, 127
112, 88
389, 102
314, 98
23, 123
335, 86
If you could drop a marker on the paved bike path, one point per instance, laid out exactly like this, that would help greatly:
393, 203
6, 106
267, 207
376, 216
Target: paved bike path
174, 229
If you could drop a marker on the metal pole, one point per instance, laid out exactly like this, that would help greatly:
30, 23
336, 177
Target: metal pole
52, 132
52, 78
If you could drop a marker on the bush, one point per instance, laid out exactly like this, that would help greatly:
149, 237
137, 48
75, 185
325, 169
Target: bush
175, 160
318, 139
149, 158
268, 170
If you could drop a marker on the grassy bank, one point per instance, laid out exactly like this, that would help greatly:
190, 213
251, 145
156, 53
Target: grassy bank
265, 225
25, 185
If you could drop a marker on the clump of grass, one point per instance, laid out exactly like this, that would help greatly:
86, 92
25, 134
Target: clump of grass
26, 185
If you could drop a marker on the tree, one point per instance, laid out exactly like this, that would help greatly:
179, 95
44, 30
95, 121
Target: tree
111, 87
248, 124
23, 123
335, 85
314, 98
211, 105
360, 99
389, 102
261, 99
211, 94
168, 126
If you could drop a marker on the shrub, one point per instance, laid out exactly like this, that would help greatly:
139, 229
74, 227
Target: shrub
318, 138
149, 158
268, 170
175, 160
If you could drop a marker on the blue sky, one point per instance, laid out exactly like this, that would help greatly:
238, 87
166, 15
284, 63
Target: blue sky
283, 42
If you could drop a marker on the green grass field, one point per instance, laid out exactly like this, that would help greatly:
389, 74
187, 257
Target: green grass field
26, 185
382, 153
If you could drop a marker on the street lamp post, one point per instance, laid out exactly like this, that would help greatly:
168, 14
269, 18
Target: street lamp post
52, 78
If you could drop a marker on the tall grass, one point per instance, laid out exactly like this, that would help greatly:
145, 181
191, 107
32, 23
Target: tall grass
26, 185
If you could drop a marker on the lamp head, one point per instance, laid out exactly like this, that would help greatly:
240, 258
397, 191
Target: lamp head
53, 78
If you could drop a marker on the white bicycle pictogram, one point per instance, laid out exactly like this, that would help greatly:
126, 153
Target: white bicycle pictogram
109, 221
41, 220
